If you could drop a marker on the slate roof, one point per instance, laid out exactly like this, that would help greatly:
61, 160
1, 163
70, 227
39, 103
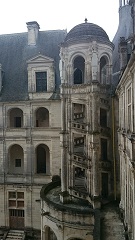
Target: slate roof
125, 30
14, 53
87, 30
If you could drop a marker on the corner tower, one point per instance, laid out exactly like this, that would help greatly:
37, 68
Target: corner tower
86, 69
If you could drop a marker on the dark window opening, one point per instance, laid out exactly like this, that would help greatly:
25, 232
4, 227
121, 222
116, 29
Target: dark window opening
42, 117
37, 125
104, 185
41, 81
41, 160
78, 78
79, 172
103, 70
103, 149
103, 117
17, 162
79, 66
17, 122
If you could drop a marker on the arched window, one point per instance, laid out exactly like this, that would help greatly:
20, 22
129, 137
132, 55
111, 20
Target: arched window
49, 234
16, 118
42, 117
79, 66
43, 159
16, 159
103, 70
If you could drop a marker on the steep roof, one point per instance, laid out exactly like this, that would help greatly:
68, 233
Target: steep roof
15, 52
125, 29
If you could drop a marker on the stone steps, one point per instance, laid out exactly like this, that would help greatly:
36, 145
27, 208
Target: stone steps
111, 225
15, 235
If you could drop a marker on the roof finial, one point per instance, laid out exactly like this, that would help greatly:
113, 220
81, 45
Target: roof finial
85, 20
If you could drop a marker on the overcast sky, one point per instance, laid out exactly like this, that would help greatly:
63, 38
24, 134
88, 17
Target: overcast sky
58, 14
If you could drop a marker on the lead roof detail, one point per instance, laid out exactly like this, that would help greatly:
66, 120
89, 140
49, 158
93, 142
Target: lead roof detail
87, 30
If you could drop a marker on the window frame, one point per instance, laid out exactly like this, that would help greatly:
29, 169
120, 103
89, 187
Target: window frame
39, 81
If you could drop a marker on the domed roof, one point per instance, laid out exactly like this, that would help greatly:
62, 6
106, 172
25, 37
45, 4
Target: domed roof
87, 30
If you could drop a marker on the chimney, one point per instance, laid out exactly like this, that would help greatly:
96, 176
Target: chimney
123, 51
33, 29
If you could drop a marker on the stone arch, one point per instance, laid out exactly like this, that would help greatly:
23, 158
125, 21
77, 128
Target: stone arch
107, 56
42, 159
15, 118
42, 117
16, 159
49, 234
78, 70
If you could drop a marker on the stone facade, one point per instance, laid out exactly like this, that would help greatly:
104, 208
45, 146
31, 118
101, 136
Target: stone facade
60, 160
125, 121
24, 143
30, 123
125, 93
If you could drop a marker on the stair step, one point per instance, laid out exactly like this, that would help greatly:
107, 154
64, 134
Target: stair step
112, 226
15, 235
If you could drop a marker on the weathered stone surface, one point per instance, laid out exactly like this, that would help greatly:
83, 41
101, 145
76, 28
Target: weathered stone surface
111, 225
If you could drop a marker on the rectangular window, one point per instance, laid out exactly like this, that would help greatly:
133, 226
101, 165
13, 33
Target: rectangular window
12, 203
16, 199
12, 194
103, 149
17, 162
129, 111
17, 122
103, 117
20, 204
41, 81
20, 195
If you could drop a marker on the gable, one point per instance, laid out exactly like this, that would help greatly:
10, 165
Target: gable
40, 59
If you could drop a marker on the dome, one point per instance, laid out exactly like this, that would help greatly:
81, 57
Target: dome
87, 31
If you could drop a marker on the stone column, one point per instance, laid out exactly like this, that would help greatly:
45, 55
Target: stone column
95, 170
95, 111
28, 160
134, 203
25, 160
87, 76
64, 193
70, 74
94, 62
133, 150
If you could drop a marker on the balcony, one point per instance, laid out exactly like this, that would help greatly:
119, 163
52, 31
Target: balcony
79, 126
80, 160
14, 133
79, 116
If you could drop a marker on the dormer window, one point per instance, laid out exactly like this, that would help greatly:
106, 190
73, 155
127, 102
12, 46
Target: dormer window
41, 77
41, 81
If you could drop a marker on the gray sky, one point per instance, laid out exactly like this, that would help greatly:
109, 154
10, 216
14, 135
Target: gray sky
58, 14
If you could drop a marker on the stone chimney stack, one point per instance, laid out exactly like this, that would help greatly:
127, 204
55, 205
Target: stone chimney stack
33, 30
123, 51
